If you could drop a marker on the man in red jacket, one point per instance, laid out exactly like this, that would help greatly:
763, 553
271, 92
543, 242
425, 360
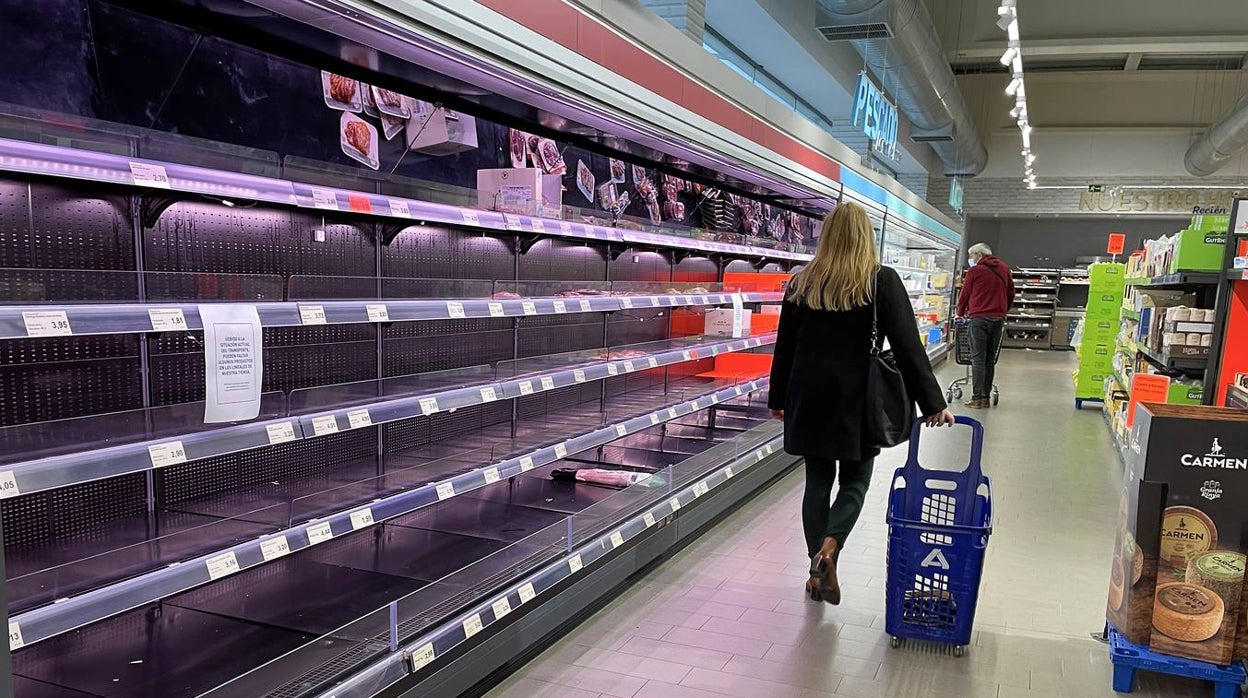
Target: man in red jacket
986, 297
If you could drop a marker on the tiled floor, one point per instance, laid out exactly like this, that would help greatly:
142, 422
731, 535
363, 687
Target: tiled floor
727, 617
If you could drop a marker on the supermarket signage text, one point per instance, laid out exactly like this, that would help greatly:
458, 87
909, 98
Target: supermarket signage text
1215, 458
1200, 202
876, 116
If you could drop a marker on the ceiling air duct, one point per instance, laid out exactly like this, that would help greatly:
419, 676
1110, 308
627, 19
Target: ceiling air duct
1220, 143
897, 41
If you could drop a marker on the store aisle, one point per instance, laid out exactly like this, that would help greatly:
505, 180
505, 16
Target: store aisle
727, 615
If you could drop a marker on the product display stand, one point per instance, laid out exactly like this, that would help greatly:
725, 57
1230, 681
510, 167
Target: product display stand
1227, 383
1129, 658
1030, 322
1100, 325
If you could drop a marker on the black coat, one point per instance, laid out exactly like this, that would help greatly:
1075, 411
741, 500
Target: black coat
819, 374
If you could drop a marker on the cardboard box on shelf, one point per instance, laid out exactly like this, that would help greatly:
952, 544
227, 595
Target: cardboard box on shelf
435, 130
521, 191
720, 323
1198, 250
1178, 568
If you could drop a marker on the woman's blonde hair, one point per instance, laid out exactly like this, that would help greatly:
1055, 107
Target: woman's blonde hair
841, 275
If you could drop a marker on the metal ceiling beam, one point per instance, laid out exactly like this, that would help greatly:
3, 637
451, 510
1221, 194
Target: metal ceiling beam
1041, 48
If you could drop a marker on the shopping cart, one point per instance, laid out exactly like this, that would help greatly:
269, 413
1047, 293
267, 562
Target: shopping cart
938, 527
962, 357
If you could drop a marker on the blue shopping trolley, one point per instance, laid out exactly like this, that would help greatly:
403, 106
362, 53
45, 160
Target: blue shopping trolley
938, 527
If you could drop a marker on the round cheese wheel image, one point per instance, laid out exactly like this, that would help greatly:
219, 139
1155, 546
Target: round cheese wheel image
1133, 557
1221, 571
1117, 586
1186, 532
1187, 612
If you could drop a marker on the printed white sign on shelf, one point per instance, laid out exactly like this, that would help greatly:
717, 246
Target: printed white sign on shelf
715, 399
496, 309
281, 432
671, 413
359, 419
526, 464
565, 228
377, 312
527, 593
758, 456
621, 430
8, 485
770, 449
526, 387
617, 539
501, 608
654, 301
560, 307
548, 383
586, 306
325, 425
687, 355
324, 198
312, 314
654, 419
738, 315
512, 222
653, 362
649, 519
539, 225
697, 405
629, 367
612, 369
561, 450
700, 489
222, 565
578, 375
738, 389
714, 350
154, 176
46, 323
233, 361
471, 218
428, 405
626, 302
455, 309
319, 533
422, 657
400, 208
674, 502
575, 564
166, 319
529, 307
16, 642
446, 490
473, 625
166, 454
360, 519
274, 548
728, 473
492, 476
488, 394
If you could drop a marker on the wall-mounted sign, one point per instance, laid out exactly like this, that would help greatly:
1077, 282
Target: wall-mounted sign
876, 116
1128, 200
955, 195
1096, 188
1117, 241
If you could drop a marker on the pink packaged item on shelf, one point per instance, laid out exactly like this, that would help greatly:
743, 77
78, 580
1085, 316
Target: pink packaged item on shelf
600, 476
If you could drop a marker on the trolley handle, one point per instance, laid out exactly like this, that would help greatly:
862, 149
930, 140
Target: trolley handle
938, 528
977, 440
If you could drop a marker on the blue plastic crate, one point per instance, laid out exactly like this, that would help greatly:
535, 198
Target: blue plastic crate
1128, 658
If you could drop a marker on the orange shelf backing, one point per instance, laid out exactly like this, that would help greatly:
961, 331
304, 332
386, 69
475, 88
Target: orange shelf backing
739, 365
762, 324
755, 281
1235, 341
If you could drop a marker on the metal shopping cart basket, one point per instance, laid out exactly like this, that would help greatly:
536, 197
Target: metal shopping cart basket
938, 527
962, 357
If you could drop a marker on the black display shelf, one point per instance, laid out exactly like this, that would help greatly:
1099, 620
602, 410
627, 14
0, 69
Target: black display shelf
1186, 278
1186, 359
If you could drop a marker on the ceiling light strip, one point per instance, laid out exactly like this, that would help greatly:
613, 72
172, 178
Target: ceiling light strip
1012, 58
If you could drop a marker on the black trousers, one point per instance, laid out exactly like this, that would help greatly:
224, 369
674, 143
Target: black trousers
819, 521
985, 338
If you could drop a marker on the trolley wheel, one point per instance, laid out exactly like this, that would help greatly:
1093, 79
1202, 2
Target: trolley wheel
957, 393
896, 642
996, 399
959, 650
948, 396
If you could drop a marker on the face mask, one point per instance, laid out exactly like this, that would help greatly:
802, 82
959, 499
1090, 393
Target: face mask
970, 263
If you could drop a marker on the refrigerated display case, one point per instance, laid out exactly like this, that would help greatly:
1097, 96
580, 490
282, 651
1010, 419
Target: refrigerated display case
925, 263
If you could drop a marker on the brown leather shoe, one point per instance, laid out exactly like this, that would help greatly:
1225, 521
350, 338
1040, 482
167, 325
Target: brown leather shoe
823, 584
976, 403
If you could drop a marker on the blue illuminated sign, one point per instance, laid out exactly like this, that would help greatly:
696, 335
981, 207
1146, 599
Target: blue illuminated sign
955, 195
876, 116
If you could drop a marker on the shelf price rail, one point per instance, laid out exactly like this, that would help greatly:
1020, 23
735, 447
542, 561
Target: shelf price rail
74, 612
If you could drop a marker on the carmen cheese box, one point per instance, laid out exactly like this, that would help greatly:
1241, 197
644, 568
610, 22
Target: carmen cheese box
1192, 463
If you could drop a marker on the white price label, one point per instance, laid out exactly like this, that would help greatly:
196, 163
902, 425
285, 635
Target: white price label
359, 419
473, 625
696, 405
654, 419
274, 548
377, 312
512, 222
526, 593
446, 490
617, 539
166, 454
565, 227
715, 399
222, 565
281, 432
46, 323
652, 362
671, 413
488, 394
325, 425
649, 519
166, 319
728, 473
758, 456
578, 375
548, 383
400, 208
470, 218
319, 533
560, 307
324, 198
674, 502
575, 564
612, 369
8, 485
153, 176
16, 642
686, 300
688, 356
621, 430
360, 519
526, 387
526, 464
492, 476
422, 657
428, 405
629, 367
501, 608
312, 314
626, 302
586, 306
529, 307
561, 450
539, 225
700, 489
496, 309
455, 309
714, 350
654, 301
738, 389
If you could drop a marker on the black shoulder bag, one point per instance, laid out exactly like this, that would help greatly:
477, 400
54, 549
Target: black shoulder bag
889, 410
